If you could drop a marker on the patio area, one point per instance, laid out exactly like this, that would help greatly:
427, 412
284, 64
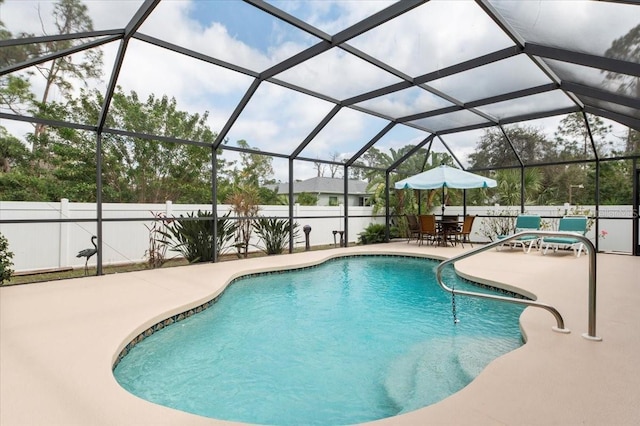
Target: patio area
59, 340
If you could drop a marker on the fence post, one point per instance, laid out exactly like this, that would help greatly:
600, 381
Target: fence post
296, 213
168, 208
63, 249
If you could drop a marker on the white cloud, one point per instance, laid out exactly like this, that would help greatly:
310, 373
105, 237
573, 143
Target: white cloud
587, 26
293, 114
334, 16
432, 36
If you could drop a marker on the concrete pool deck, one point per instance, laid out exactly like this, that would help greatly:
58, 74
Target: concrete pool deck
59, 340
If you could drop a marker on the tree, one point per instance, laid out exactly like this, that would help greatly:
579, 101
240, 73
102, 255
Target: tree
530, 143
359, 170
632, 145
627, 48
271, 197
615, 182
572, 136
134, 169
334, 168
508, 190
532, 146
319, 168
159, 171
256, 169
15, 94
12, 151
492, 150
377, 179
70, 16
401, 201
15, 91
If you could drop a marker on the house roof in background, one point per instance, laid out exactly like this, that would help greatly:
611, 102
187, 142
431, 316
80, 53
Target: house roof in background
323, 185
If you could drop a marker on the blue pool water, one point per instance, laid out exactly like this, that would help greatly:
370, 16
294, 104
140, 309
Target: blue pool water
352, 340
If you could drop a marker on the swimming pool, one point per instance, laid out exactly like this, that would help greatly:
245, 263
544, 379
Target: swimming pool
352, 340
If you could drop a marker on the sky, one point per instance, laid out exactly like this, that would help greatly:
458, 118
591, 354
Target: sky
430, 37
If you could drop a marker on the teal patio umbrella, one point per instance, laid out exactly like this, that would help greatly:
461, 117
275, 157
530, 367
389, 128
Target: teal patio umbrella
445, 177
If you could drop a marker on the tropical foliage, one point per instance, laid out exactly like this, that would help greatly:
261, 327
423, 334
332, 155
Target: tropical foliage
274, 234
192, 235
376, 233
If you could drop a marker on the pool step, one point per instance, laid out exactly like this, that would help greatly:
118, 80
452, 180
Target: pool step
426, 374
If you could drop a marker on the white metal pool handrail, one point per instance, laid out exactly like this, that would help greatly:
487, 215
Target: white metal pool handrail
591, 251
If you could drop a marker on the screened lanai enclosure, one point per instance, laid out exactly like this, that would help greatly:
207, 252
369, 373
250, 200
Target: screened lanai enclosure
211, 103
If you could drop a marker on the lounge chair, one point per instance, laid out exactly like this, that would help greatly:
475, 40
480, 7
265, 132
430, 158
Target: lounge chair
574, 224
414, 227
524, 223
462, 234
428, 229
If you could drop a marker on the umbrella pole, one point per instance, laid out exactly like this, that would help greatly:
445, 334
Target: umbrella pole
443, 194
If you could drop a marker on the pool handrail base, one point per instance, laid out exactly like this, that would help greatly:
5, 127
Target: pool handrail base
590, 335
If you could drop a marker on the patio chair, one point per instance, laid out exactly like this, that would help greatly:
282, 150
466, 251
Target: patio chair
428, 229
414, 227
462, 235
573, 224
524, 223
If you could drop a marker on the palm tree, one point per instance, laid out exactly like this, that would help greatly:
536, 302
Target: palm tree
508, 191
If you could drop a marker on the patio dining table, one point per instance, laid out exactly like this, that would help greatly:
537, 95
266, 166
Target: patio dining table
446, 227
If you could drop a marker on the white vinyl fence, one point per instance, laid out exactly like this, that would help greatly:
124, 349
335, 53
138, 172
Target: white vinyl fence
615, 221
55, 245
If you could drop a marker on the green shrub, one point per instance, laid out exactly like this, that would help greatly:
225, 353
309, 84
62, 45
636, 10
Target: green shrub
307, 199
274, 234
193, 238
5, 260
374, 233
394, 232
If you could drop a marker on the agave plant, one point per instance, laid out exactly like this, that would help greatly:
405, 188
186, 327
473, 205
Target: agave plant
274, 234
193, 238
